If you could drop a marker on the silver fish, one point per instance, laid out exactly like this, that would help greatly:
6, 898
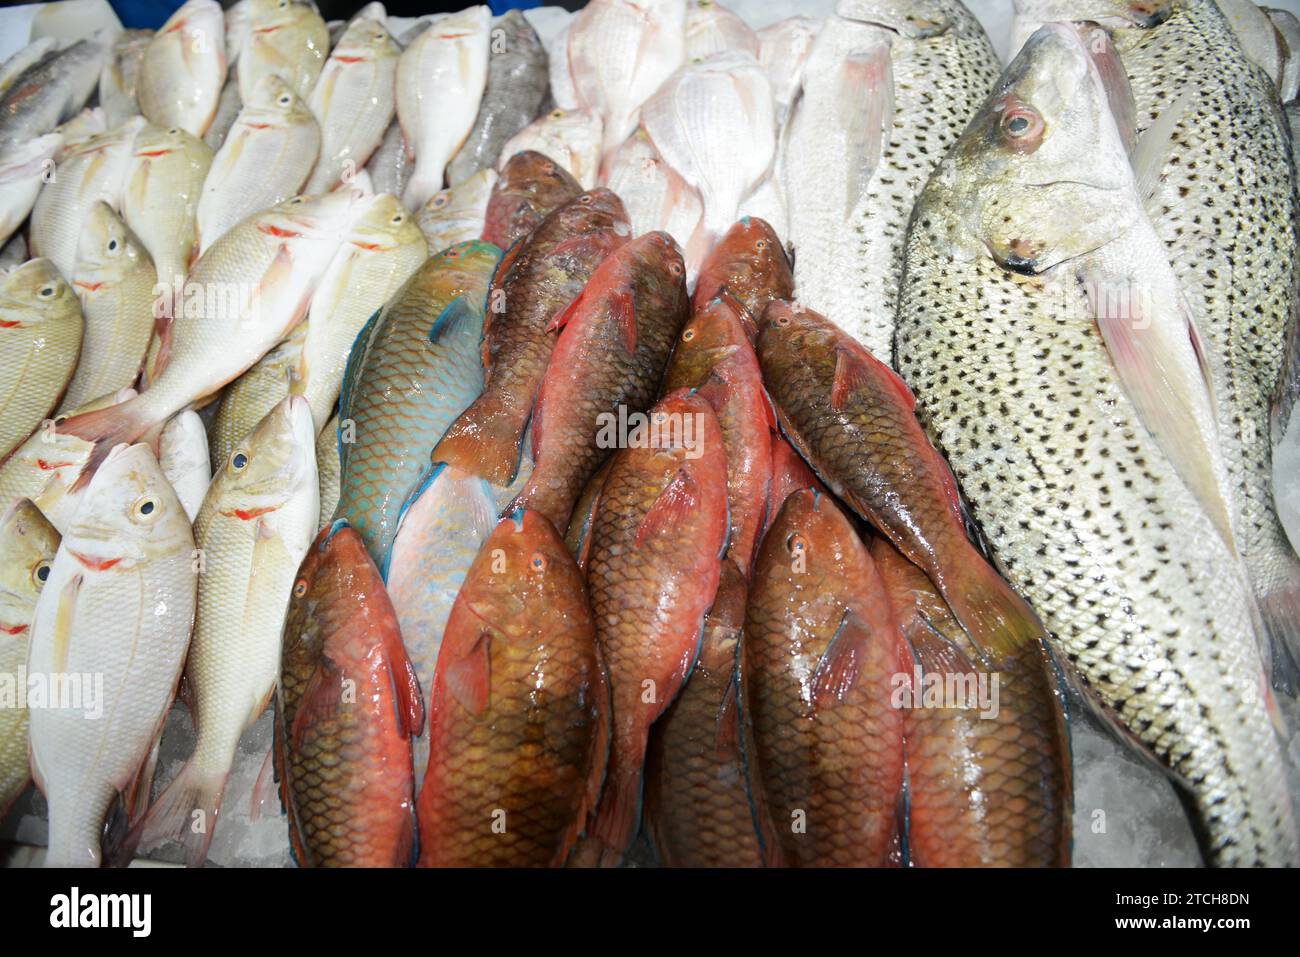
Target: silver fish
50, 91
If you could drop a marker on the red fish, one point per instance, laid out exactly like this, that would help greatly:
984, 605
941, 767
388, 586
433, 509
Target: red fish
530, 188
750, 263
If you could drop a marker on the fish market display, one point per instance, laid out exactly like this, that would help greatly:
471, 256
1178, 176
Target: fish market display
457, 214
749, 265
353, 102
183, 69
440, 81
530, 188
516, 86
569, 137
390, 164
519, 667
41, 331
118, 605
783, 49
287, 39
327, 469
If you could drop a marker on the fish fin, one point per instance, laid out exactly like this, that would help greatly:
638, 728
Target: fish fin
105, 429
598, 764
352, 368
1114, 80
1155, 145
851, 374
406, 684
163, 326
185, 812
469, 677
619, 813
63, 615
319, 703
842, 661
999, 622
670, 509
867, 115
1127, 739
567, 314
138, 793
483, 441
623, 311
264, 791
453, 316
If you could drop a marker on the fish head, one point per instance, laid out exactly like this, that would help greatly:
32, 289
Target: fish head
27, 545
365, 39
1108, 13
595, 210
535, 175
273, 102
467, 267
156, 142
919, 19
524, 576
35, 292
337, 585
790, 332
658, 267
128, 515
816, 540
385, 226
1042, 174
328, 216
684, 435
271, 465
748, 259
105, 249
715, 332
270, 16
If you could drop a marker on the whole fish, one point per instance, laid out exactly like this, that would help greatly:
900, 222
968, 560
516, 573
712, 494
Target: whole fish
24, 168
414, 368
183, 457
713, 356
45, 467
697, 118
183, 69
853, 420
243, 296
530, 188
286, 38
519, 723
544, 274
820, 650
654, 193
457, 214
940, 64
228, 107
440, 81
712, 28
571, 138
121, 74
1175, 660
343, 757
440, 531
253, 530
118, 605
327, 469
988, 772
95, 169
114, 279
353, 101
783, 49
164, 182
613, 345
50, 90
789, 474
390, 165
255, 393
28, 543
265, 159
697, 802
749, 264
655, 557
40, 338
516, 86
619, 54
382, 250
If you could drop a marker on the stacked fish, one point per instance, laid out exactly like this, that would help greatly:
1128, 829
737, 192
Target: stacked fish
452, 392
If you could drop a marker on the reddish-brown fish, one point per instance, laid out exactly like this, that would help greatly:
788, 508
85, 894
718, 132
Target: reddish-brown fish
656, 554
529, 189
614, 343
519, 715
750, 263
578, 538
853, 419
697, 802
536, 280
789, 474
346, 707
820, 650
987, 751
714, 356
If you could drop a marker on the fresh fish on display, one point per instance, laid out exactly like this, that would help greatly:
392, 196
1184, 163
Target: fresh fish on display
390, 165
121, 74
712, 28
23, 58
24, 168
749, 264
783, 49
228, 107
530, 188
50, 90
286, 38
562, 93
183, 68
457, 214
569, 137
256, 392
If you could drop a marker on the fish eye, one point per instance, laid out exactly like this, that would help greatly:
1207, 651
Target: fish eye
300, 588
46, 292
145, 509
60, 419
1023, 125
796, 543
439, 201
688, 335
538, 562
175, 130
783, 320
761, 245
675, 269
238, 461
585, 199
549, 169
112, 245
284, 99
556, 114
41, 573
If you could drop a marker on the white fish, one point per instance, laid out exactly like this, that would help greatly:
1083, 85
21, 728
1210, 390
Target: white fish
287, 38
712, 28
247, 400
243, 295
252, 532
183, 455
353, 101
783, 49
563, 93
383, 249
440, 83
620, 52
26, 56
455, 214
1288, 27
571, 138
183, 68
114, 280
23, 170
166, 176
266, 158
89, 122
121, 74
118, 606
713, 123
767, 202
654, 194
328, 469
228, 107
390, 165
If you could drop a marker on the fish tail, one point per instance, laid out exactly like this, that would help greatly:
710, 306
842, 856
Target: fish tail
485, 441
615, 823
105, 429
186, 812
999, 622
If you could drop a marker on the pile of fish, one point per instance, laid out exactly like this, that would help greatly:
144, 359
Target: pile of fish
656, 438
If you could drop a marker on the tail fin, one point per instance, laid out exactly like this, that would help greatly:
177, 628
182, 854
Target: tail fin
106, 428
186, 812
999, 621
615, 822
485, 441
